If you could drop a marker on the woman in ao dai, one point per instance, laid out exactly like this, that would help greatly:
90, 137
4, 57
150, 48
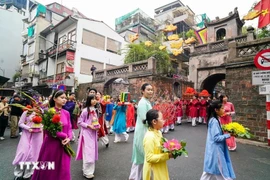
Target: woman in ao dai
217, 161
88, 145
28, 147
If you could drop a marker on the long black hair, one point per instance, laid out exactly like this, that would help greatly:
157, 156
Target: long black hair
222, 96
56, 94
151, 115
88, 104
212, 111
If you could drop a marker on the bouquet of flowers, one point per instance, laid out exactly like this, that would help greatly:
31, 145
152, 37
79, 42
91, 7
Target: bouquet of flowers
52, 124
236, 129
174, 146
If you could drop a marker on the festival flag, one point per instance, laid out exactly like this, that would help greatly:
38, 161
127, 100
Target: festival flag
264, 7
202, 35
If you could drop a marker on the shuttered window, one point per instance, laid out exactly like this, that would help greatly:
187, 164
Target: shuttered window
93, 39
113, 46
87, 64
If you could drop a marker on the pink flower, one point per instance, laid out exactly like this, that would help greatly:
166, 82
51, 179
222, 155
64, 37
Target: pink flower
172, 145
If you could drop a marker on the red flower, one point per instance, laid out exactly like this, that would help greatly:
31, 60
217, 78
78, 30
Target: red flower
28, 107
56, 118
37, 119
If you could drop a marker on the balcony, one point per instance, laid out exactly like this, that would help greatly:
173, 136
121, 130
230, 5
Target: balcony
67, 45
42, 56
25, 33
23, 59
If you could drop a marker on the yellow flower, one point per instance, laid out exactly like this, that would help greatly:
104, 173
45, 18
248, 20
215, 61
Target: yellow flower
176, 45
170, 28
162, 48
52, 111
176, 52
173, 37
148, 43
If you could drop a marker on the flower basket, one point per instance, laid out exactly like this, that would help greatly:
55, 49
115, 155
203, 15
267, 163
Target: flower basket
204, 93
95, 123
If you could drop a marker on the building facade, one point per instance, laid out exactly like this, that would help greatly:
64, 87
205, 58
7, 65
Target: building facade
80, 43
136, 22
175, 13
33, 50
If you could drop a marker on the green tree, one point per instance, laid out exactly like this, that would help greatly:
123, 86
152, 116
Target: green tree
244, 30
139, 52
190, 34
263, 33
16, 76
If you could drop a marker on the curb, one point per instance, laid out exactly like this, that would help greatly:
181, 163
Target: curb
254, 143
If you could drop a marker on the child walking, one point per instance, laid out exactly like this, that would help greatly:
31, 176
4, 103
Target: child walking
88, 145
155, 166
217, 161
119, 122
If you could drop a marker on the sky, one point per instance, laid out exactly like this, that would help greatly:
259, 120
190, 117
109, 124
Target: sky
108, 10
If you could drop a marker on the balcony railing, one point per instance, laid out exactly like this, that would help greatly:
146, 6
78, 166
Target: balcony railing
64, 78
69, 44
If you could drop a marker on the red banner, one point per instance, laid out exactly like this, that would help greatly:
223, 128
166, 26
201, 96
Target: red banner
70, 56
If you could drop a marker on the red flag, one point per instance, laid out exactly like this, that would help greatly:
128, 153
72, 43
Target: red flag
264, 7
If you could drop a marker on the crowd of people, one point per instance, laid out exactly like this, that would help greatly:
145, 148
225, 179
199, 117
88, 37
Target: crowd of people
149, 120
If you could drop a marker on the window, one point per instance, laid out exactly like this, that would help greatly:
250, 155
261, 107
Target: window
65, 14
72, 35
113, 46
87, 64
220, 34
94, 40
31, 49
62, 39
57, 6
60, 68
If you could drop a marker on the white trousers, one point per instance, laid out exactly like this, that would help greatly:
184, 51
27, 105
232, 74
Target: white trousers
207, 176
107, 124
171, 126
179, 120
118, 137
193, 121
104, 140
25, 173
136, 172
88, 168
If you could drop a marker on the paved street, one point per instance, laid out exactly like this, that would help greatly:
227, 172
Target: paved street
249, 162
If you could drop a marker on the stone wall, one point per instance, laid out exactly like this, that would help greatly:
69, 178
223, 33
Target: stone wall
249, 105
212, 61
163, 87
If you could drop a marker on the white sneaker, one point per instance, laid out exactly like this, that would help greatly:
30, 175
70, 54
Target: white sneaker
2, 138
126, 137
89, 176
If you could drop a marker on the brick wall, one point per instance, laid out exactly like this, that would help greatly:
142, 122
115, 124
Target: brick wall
249, 105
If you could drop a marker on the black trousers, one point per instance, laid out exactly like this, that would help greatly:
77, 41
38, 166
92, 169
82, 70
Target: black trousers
3, 124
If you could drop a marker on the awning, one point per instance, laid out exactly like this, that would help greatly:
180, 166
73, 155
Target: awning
3, 80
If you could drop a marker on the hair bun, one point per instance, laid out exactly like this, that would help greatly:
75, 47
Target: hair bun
144, 121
